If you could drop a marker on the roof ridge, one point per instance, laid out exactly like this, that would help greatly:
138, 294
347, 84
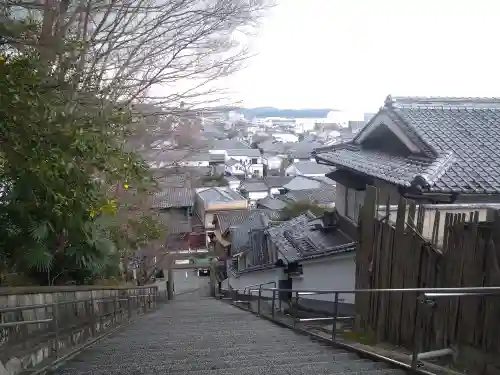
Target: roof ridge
442, 102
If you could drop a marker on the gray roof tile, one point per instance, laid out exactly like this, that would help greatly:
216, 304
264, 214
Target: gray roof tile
171, 197
298, 238
249, 152
277, 181
318, 196
271, 203
311, 167
254, 186
459, 139
227, 219
249, 234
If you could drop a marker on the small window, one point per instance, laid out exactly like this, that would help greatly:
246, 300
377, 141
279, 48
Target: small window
254, 161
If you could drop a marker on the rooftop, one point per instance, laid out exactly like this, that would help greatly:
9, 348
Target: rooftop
253, 186
173, 197
227, 219
301, 238
218, 195
277, 181
226, 144
250, 152
204, 156
306, 182
311, 167
318, 196
250, 233
271, 203
443, 145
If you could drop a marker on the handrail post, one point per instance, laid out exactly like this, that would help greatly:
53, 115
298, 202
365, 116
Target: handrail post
129, 307
417, 334
295, 309
93, 322
335, 315
258, 301
274, 302
55, 312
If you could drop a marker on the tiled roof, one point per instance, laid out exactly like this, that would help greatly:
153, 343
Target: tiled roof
173, 180
171, 197
311, 167
459, 139
319, 196
245, 235
298, 239
226, 144
219, 194
204, 156
230, 218
249, 152
271, 203
277, 181
254, 186
303, 182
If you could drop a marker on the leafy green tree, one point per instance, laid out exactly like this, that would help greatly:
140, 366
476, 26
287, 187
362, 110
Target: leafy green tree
60, 150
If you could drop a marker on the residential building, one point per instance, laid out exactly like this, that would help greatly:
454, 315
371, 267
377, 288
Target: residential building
308, 183
246, 162
254, 190
302, 253
272, 162
201, 159
285, 137
322, 197
217, 146
302, 151
210, 200
276, 184
433, 150
233, 182
223, 222
184, 231
275, 208
308, 169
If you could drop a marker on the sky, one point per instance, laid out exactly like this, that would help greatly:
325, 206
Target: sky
351, 54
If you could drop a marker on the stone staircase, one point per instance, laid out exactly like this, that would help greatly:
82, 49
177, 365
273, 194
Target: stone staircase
205, 336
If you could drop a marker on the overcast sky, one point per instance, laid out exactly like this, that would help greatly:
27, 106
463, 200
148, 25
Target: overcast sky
351, 54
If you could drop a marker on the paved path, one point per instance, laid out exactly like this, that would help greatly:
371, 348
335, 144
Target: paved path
204, 336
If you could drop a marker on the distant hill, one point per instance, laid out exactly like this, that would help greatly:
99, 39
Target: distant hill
289, 113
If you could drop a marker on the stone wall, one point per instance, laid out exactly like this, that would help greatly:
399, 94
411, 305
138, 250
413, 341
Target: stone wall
39, 325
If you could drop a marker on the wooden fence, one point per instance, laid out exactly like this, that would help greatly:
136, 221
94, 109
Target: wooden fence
397, 256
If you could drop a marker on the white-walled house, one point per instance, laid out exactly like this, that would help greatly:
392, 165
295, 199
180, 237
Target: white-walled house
276, 184
254, 190
272, 162
302, 253
210, 200
244, 161
285, 137
233, 182
308, 169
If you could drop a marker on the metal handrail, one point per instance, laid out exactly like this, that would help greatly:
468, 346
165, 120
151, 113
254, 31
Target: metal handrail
116, 310
423, 295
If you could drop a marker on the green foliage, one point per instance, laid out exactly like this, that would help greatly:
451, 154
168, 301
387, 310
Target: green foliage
60, 150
